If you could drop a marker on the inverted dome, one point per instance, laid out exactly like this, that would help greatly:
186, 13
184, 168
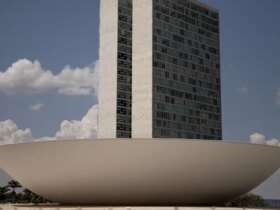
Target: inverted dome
139, 171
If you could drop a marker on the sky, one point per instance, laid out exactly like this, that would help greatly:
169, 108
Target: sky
49, 71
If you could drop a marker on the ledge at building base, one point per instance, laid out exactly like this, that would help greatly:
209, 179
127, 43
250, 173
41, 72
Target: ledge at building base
53, 207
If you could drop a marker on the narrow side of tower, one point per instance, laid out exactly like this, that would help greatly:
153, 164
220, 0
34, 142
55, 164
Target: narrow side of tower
107, 95
142, 76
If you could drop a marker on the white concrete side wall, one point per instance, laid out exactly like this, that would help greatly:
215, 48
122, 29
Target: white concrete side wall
107, 97
142, 74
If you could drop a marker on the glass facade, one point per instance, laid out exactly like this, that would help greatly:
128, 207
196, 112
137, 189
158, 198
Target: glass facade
124, 80
186, 71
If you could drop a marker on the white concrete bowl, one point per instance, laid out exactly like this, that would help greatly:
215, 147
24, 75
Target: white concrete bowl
139, 171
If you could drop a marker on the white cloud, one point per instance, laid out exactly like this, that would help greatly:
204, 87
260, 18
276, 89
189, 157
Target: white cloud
86, 128
27, 77
273, 142
11, 134
36, 107
258, 138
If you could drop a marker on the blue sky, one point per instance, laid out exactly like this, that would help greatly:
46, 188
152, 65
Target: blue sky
57, 33
65, 33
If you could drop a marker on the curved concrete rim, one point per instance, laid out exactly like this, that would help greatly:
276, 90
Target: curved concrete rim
235, 142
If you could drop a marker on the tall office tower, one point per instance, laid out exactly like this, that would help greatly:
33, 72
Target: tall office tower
175, 71
116, 68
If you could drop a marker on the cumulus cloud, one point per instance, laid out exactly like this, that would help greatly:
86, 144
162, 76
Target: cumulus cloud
258, 138
36, 107
11, 134
27, 77
273, 142
86, 128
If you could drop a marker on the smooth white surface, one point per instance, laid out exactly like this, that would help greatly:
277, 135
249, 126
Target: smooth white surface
108, 57
142, 74
139, 171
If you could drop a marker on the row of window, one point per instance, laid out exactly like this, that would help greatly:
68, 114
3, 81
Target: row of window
201, 99
164, 45
182, 106
187, 42
180, 127
171, 133
187, 30
163, 133
183, 22
183, 5
186, 79
183, 118
198, 73
191, 112
161, 58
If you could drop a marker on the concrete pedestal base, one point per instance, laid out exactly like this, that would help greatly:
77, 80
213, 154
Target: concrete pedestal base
53, 207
